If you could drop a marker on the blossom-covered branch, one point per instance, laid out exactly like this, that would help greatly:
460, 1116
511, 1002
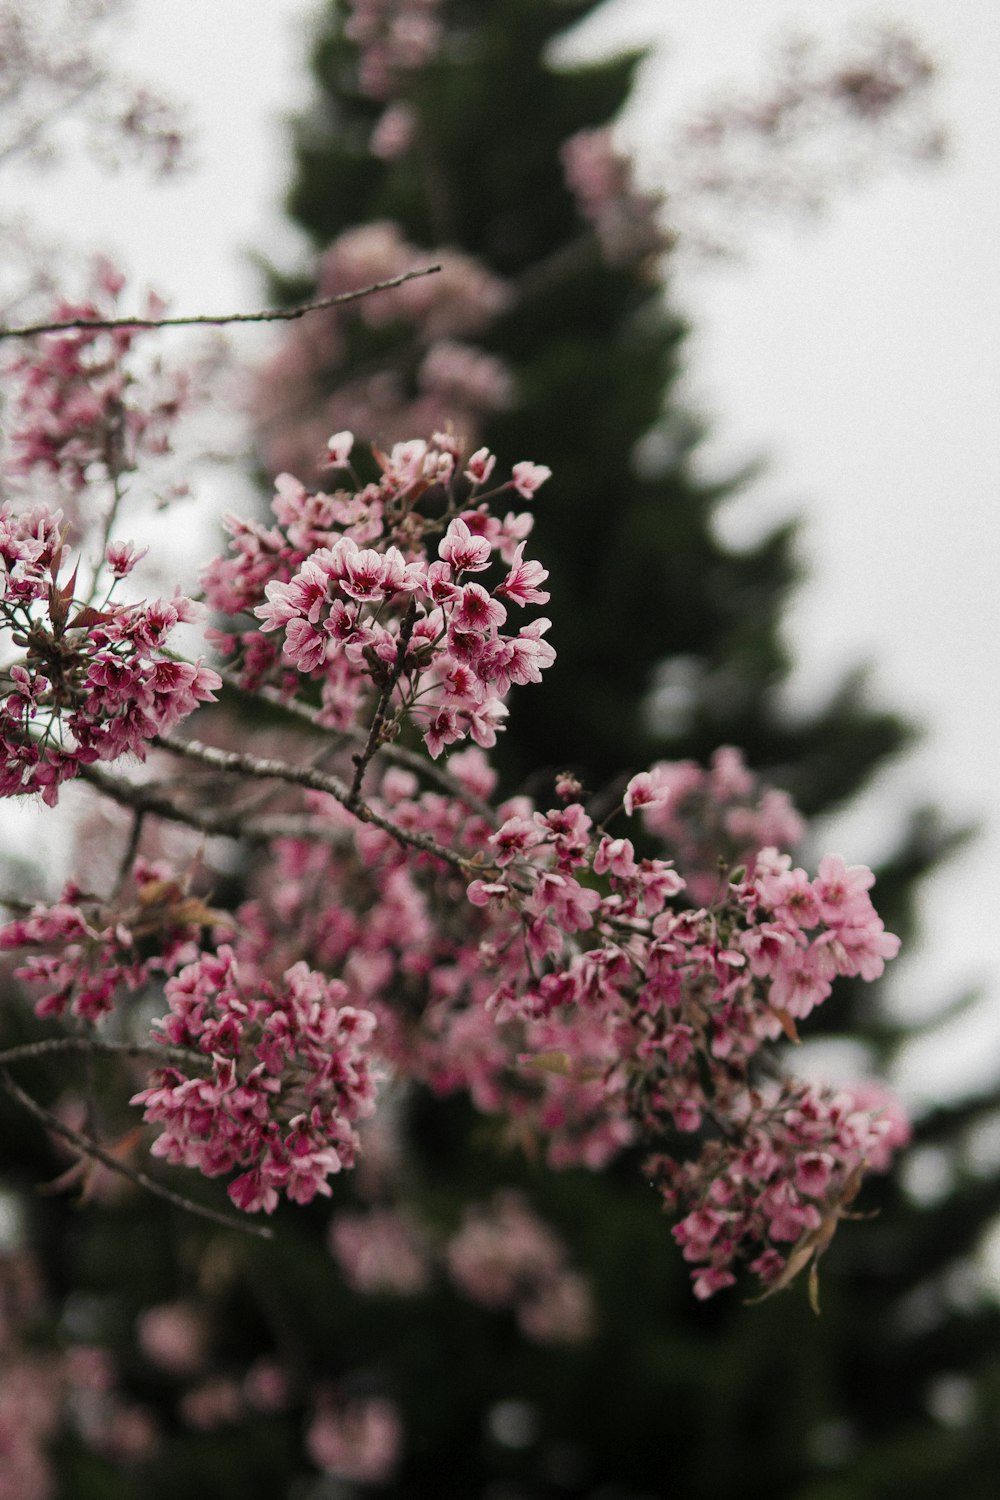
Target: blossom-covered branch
600, 986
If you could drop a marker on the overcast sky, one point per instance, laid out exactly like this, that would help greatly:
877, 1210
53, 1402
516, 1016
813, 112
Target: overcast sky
859, 356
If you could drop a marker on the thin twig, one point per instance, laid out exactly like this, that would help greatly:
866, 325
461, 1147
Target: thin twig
29, 1051
374, 740
258, 830
267, 315
398, 754
144, 799
131, 850
147, 799
89, 1147
313, 780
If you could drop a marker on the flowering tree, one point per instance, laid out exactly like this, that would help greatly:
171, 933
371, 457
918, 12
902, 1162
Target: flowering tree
592, 982
593, 995
335, 961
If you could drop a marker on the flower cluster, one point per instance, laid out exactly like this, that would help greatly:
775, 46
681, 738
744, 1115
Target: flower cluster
711, 815
56, 1391
393, 37
91, 952
313, 382
87, 679
359, 1439
777, 1193
289, 1075
601, 178
820, 119
596, 985
641, 1019
582, 996
381, 1251
503, 1256
378, 590
81, 413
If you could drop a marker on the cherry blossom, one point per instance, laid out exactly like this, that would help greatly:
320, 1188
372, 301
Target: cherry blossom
598, 985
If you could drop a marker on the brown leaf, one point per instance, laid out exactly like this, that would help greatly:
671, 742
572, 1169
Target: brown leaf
552, 1062
787, 1023
89, 616
160, 892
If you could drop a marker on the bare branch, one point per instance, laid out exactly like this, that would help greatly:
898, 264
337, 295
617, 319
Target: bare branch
398, 754
375, 733
267, 315
313, 780
255, 830
89, 1147
48, 1046
149, 799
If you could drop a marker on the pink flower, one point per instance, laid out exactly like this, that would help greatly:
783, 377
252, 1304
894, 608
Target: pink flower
465, 552
480, 466
393, 133
707, 1283
504, 1256
530, 654
889, 1128
646, 789
813, 1172
514, 837
380, 1251
306, 595
616, 856
338, 449
173, 1336
478, 610
360, 1440
365, 575
527, 478
121, 557
521, 583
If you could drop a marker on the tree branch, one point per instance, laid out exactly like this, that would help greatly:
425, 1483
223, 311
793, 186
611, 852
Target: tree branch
87, 1146
267, 315
147, 799
318, 781
398, 754
374, 740
28, 1051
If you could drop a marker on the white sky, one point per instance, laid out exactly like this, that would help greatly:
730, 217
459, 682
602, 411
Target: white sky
861, 357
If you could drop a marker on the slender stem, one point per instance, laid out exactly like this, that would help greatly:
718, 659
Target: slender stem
47, 1046
89, 1147
319, 781
145, 799
398, 754
130, 851
363, 759
267, 315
